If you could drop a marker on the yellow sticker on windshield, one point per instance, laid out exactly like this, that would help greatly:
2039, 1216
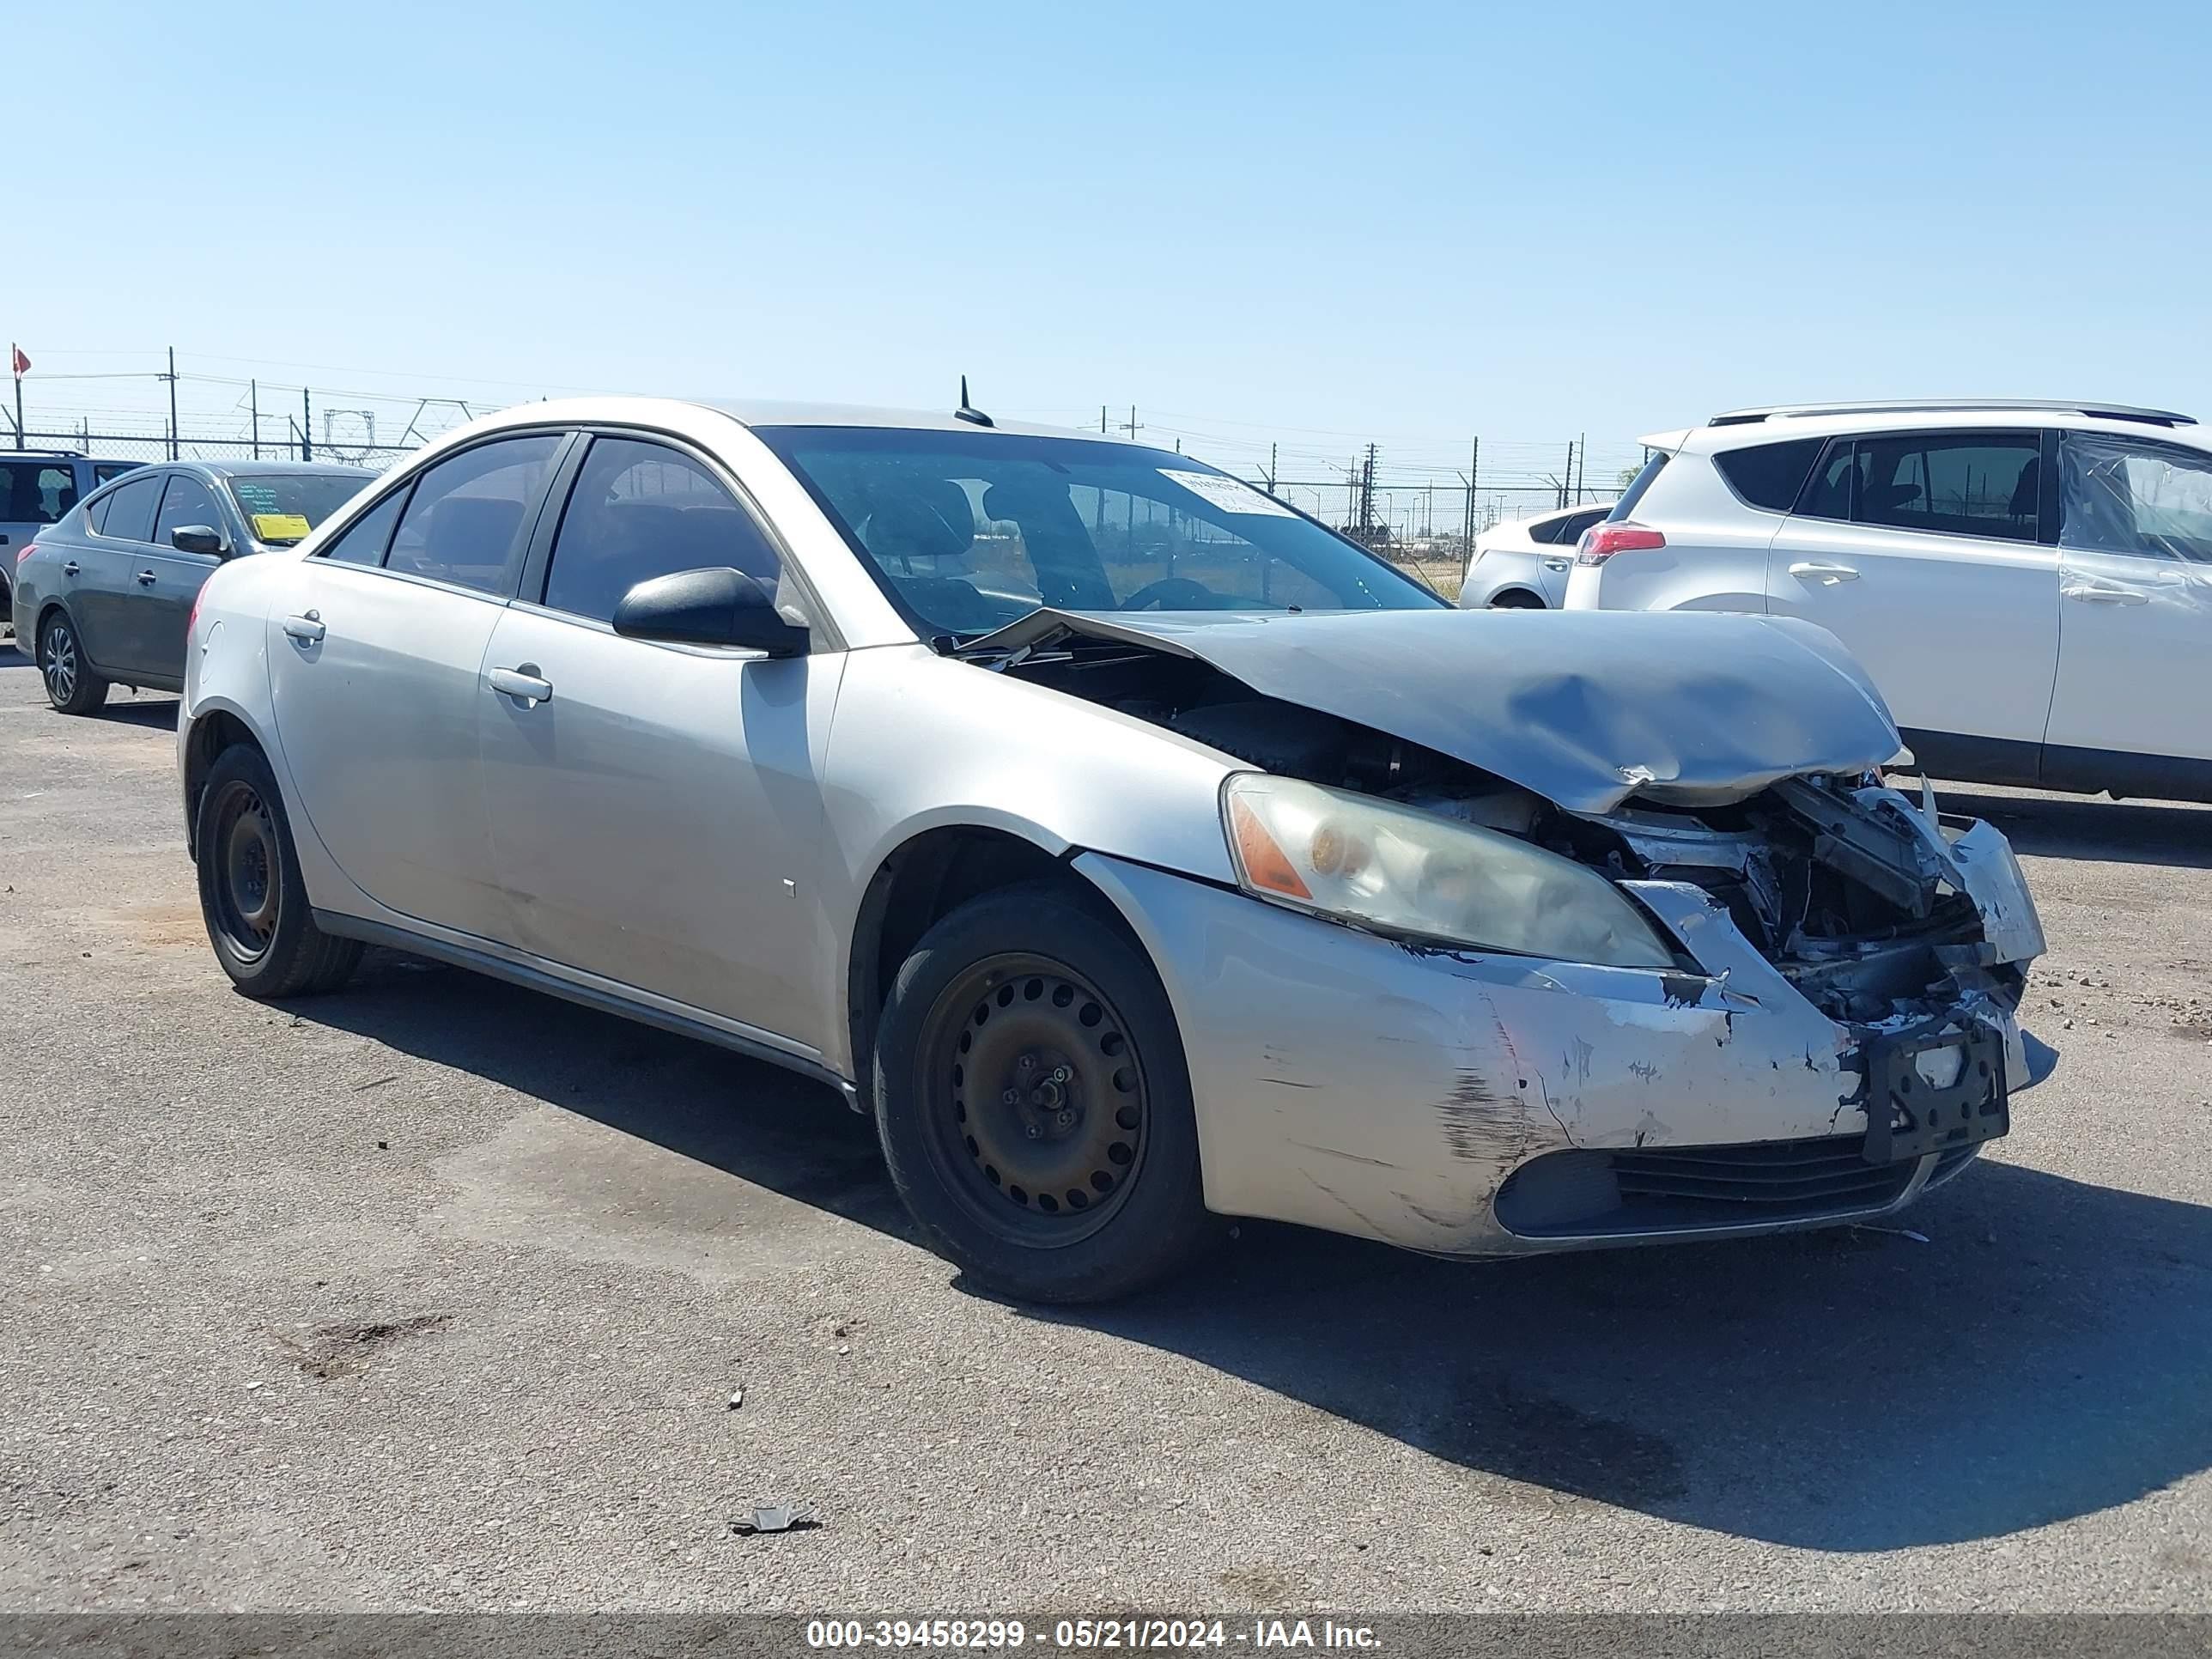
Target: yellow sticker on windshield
281, 526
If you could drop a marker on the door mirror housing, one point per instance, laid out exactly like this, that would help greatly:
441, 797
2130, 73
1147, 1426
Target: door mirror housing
197, 538
716, 606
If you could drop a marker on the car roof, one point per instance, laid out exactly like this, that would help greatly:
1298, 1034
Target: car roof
2089, 407
290, 469
756, 412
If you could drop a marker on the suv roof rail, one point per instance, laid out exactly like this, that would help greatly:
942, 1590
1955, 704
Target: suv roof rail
1961, 405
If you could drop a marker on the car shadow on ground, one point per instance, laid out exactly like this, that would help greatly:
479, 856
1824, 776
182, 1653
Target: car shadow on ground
158, 713
2090, 827
2041, 1356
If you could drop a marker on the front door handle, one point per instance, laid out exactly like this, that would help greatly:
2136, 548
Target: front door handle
524, 684
307, 630
2102, 593
146, 577
1826, 575
69, 569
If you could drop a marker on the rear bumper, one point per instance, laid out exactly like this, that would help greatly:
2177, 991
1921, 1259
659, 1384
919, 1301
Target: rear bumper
1366, 1086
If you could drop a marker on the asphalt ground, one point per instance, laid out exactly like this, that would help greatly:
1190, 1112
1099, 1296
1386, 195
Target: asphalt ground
436, 1294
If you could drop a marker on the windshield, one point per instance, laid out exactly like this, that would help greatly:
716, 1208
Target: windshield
969, 532
281, 507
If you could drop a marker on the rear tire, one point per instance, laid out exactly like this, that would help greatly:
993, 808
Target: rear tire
1516, 600
1034, 1104
71, 686
251, 897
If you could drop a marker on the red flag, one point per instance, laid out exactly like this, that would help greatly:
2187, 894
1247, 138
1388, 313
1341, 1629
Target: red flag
23, 363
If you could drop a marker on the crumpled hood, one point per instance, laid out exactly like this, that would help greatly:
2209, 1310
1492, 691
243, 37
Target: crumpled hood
1584, 708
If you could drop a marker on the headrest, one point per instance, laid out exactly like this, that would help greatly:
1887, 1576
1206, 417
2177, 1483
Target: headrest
920, 518
480, 528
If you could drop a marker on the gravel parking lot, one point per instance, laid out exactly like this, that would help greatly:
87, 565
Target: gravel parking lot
436, 1293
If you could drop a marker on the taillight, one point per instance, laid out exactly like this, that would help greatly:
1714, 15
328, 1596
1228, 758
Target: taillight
1601, 541
193, 616
26, 553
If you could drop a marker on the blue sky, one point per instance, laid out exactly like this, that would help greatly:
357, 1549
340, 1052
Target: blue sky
1413, 222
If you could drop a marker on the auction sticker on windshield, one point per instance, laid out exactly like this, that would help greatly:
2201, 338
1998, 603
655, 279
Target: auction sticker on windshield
1231, 494
281, 526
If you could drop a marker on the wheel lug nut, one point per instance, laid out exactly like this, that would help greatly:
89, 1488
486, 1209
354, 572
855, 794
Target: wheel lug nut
1034, 1132
1064, 1119
1011, 1097
1059, 1074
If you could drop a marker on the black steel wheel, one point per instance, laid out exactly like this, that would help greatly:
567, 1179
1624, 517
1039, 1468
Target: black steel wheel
1034, 1097
251, 897
72, 685
1033, 1103
247, 892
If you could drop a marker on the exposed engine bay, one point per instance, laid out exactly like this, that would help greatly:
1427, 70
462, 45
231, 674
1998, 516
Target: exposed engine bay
1840, 883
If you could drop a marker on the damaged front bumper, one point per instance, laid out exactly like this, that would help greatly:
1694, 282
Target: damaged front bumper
1479, 1104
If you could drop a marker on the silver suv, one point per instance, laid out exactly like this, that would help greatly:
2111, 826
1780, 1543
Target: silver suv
37, 487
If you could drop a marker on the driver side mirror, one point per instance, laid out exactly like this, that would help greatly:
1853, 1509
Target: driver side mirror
196, 538
718, 606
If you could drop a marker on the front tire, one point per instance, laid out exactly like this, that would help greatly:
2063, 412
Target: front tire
71, 686
1034, 1104
251, 897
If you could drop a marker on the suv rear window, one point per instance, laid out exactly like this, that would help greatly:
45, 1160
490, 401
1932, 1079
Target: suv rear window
1769, 475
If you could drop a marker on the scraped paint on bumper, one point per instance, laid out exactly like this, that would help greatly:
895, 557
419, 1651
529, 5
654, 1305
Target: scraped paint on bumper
1368, 1087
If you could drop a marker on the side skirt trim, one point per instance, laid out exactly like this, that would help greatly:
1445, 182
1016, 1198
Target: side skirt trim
590, 996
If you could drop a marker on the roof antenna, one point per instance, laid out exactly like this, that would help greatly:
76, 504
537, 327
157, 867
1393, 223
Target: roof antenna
968, 411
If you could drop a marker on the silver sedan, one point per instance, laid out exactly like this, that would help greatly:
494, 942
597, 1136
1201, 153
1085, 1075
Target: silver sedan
1133, 848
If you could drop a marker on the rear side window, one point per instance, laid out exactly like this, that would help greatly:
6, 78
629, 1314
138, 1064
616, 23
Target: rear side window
1966, 484
36, 492
1769, 475
1643, 481
364, 541
185, 502
104, 470
468, 516
130, 514
641, 510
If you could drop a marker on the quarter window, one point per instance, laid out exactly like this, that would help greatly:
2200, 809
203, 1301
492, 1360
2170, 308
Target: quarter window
469, 515
185, 502
364, 541
1769, 475
641, 510
2118, 496
130, 514
36, 492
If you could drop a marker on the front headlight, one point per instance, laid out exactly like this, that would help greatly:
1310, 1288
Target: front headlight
1337, 854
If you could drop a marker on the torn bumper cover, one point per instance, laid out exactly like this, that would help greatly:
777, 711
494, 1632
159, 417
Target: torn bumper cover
1482, 1104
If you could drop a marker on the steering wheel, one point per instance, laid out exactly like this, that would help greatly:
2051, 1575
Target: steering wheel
1169, 592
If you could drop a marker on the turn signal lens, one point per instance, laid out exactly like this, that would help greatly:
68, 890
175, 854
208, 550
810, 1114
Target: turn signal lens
1264, 864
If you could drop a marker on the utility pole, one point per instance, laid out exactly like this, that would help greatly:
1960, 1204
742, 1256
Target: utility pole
1131, 428
1567, 477
1367, 499
1102, 420
1473, 472
307, 425
253, 395
171, 377
1270, 469
1581, 466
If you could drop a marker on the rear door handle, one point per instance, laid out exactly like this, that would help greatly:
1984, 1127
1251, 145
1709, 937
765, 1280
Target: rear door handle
1827, 574
307, 630
2102, 593
524, 684
146, 577
69, 569
1558, 564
